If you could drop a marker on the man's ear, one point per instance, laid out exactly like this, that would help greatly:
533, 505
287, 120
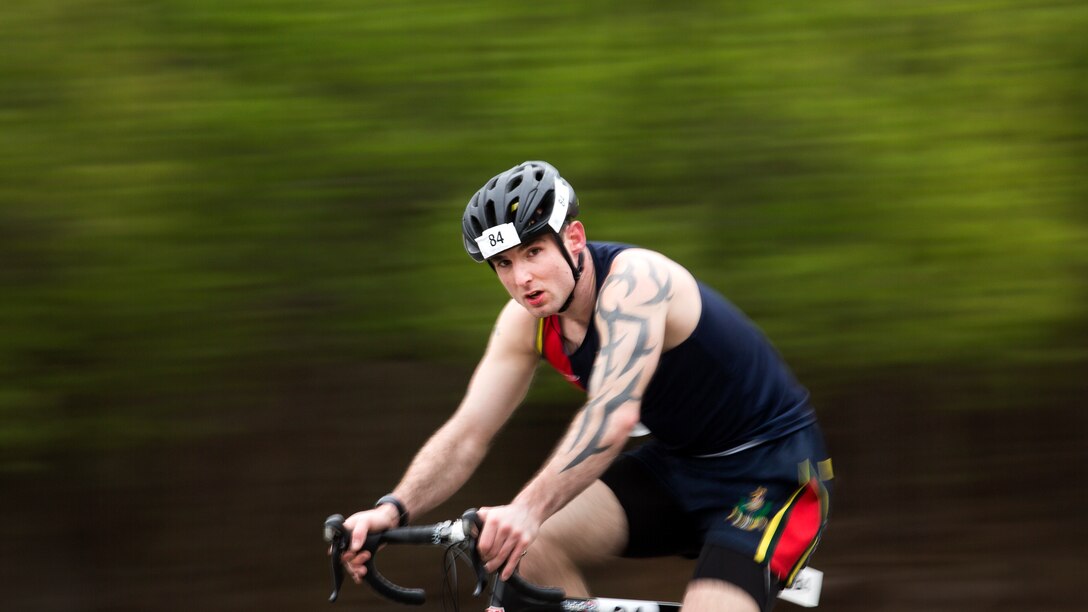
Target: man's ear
575, 237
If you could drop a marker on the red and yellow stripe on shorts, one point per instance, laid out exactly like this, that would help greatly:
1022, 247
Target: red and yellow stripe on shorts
793, 533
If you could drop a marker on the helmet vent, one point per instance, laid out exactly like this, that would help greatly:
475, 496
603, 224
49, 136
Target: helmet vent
540, 174
514, 183
489, 213
546, 204
540, 214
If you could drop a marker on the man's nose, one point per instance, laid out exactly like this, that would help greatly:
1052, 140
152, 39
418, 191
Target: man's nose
522, 274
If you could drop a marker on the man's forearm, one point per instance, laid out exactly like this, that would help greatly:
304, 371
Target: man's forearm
591, 444
438, 470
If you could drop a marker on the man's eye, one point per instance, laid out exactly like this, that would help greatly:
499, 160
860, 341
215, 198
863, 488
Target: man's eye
534, 251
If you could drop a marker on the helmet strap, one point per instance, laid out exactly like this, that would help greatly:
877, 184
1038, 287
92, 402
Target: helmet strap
576, 271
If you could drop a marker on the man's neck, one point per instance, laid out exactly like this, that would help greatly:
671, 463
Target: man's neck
585, 295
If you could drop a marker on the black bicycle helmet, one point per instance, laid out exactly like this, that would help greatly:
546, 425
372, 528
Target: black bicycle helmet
516, 206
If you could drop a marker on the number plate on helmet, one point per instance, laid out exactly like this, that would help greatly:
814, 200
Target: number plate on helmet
497, 239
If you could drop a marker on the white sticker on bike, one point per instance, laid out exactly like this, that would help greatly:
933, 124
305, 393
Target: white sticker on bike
497, 239
605, 604
805, 590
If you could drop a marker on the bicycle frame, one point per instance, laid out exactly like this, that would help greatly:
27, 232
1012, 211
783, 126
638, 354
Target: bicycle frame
501, 601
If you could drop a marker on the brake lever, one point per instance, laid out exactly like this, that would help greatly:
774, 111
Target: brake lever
546, 595
471, 519
337, 537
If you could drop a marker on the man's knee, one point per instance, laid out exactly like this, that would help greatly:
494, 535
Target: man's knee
550, 562
590, 529
724, 572
713, 595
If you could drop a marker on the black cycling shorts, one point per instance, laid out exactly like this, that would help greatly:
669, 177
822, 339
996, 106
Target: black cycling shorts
751, 518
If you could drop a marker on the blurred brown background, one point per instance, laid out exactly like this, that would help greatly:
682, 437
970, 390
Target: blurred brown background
235, 299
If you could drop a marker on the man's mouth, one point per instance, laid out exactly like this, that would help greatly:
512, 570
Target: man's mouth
534, 296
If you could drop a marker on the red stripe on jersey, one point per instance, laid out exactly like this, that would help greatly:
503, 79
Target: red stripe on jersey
550, 345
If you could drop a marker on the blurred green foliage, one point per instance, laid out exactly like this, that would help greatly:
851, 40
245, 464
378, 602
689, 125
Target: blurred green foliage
199, 197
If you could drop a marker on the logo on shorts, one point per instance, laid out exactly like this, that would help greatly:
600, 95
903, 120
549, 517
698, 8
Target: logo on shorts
750, 514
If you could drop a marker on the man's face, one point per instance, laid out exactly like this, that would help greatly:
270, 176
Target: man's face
536, 275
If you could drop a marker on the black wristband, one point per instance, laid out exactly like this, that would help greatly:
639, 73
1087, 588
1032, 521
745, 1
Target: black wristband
402, 512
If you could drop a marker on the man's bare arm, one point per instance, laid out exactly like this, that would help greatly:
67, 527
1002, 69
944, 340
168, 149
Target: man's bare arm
499, 384
452, 454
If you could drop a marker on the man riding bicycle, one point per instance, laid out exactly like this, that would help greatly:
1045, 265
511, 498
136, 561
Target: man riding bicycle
736, 473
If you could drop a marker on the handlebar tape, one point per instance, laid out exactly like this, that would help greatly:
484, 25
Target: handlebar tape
340, 539
378, 582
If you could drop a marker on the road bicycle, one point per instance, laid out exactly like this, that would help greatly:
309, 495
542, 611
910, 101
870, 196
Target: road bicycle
458, 537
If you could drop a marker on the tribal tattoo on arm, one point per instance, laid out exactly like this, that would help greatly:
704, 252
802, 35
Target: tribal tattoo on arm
630, 318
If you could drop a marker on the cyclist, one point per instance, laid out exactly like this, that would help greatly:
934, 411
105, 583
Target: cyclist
736, 473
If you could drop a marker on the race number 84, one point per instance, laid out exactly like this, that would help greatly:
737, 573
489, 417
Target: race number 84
498, 238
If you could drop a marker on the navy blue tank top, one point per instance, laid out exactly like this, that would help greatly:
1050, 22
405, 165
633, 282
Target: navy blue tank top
723, 389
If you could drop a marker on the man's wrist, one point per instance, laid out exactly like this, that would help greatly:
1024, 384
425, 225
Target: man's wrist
537, 509
402, 511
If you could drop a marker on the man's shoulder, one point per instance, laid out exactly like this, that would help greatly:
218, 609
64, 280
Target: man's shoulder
642, 258
637, 266
648, 278
516, 329
515, 315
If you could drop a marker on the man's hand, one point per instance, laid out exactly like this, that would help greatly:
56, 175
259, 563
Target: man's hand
362, 523
508, 532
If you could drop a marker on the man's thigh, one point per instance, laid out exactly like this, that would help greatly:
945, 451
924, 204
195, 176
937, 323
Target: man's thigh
590, 529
